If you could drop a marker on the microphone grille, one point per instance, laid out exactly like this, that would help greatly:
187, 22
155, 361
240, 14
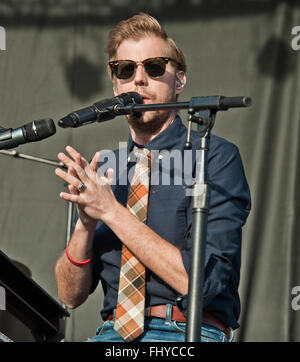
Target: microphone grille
136, 99
128, 98
38, 130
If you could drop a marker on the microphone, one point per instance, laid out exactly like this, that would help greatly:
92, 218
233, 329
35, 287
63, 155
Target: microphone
30, 132
101, 111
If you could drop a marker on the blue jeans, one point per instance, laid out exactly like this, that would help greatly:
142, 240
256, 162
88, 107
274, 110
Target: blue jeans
160, 330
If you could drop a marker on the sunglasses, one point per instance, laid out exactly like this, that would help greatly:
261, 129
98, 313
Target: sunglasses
155, 67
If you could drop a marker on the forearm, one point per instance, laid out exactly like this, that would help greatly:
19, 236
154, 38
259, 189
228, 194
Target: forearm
74, 281
159, 255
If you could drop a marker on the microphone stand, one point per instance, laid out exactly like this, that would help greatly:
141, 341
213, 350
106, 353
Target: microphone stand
16, 154
200, 210
202, 111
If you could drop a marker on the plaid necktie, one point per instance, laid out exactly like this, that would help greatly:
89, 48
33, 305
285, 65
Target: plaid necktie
129, 319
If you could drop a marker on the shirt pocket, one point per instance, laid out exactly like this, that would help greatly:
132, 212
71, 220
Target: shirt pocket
167, 213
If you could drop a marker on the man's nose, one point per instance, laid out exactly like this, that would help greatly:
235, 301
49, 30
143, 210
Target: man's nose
140, 76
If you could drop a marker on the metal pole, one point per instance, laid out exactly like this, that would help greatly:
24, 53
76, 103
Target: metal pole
200, 209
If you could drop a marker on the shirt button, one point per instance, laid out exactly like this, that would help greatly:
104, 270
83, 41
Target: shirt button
160, 157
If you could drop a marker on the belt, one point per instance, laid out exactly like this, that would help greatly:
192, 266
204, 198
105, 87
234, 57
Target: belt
159, 311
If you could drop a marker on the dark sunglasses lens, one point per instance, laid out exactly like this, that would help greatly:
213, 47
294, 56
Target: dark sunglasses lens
155, 67
125, 70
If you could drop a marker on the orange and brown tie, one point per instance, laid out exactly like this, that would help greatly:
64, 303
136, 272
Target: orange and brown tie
129, 319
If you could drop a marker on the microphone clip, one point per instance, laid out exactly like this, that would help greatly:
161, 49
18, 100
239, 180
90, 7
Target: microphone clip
205, 120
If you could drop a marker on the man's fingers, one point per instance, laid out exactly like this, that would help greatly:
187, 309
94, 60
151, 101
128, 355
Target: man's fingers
90, 168
79, 163
69, 162
64, 159
72, 152
110, 175
73, 190
94, 162
76, 199
106, 179
78, 158
72, 171
71, 180
70, 197
80, 173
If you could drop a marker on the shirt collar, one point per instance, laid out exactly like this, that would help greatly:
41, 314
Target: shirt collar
166, 140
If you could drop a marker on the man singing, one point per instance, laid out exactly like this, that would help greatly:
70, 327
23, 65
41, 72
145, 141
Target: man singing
136, 238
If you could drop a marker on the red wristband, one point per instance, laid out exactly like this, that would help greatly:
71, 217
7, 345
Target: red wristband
76, 262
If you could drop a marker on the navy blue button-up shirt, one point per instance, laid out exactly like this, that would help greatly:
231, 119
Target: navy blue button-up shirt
169, 215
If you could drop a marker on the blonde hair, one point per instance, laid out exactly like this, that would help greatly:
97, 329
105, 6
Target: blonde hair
137, 27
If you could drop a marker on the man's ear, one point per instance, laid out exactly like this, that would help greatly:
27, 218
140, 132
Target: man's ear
180, 81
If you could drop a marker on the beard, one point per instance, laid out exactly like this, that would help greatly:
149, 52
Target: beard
152, 122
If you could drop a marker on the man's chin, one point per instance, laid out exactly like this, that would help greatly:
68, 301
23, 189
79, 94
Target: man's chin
146, 119
149, 122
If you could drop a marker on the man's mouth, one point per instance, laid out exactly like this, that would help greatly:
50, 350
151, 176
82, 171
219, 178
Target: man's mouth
145, 98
